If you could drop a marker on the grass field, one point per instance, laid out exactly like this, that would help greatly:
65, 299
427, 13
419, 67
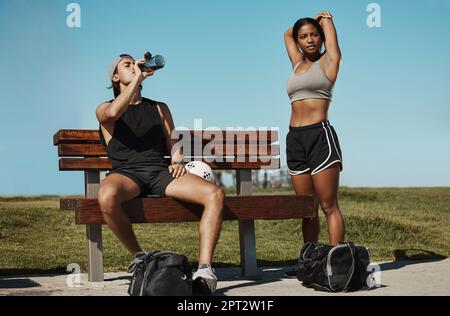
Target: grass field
412, 223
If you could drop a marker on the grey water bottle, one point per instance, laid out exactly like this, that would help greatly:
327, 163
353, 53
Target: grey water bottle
153, 62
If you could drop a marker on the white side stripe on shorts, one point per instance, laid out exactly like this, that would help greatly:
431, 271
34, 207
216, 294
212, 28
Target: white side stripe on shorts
332, 137
326, 166
329, 151
296, 173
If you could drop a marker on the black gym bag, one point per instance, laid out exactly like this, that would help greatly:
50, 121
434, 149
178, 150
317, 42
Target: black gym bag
333, 269
162, 274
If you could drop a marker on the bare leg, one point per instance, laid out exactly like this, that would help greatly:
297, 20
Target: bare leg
326, 185
114, 190
303, 184
192, 188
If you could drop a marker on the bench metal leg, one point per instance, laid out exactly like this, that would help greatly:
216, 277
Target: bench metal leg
247, 242
94, 231
95, 252
247, 238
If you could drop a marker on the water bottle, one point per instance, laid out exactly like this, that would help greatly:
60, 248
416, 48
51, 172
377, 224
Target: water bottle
153, 62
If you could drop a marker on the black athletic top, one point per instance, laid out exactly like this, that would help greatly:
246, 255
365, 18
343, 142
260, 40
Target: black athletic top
138, 136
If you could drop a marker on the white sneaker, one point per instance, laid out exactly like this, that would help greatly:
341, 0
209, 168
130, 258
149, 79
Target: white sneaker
209, 276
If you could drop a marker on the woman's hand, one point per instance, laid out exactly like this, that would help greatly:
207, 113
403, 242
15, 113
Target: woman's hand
323, 14
177, 169
142, 74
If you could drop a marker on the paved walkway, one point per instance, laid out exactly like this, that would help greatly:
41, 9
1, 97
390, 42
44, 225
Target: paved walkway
396, 278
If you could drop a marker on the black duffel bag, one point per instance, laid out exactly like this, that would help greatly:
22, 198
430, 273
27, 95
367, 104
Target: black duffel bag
333, 268
162, 274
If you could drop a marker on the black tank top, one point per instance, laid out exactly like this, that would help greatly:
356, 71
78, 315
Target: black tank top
138, 137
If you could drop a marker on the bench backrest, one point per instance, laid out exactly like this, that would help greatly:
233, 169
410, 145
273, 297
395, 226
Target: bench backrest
230, 149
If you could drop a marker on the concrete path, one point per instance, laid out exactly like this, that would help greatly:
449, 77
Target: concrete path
402, 278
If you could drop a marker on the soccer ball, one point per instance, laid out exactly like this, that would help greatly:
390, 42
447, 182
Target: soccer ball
201, 169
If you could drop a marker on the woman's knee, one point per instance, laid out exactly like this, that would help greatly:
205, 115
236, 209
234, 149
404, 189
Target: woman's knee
108, 197
329, 207
215, 195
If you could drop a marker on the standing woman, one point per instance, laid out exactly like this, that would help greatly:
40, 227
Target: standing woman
314, 157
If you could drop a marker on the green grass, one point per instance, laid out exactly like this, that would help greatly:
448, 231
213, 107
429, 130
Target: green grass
414, 223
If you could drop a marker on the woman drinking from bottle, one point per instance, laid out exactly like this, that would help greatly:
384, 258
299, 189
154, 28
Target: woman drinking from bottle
136, 132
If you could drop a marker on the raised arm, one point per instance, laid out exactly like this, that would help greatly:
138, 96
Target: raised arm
111, 111
331, 41
294, 53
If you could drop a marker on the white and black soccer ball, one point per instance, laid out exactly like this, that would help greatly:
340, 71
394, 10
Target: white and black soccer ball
201, 169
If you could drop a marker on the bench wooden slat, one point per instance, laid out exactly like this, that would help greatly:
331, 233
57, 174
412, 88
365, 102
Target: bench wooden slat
93, 136
103, 164
68, 150
84, 164
168, 210
76, 135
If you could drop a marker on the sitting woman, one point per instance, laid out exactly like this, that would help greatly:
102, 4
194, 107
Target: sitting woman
136, 131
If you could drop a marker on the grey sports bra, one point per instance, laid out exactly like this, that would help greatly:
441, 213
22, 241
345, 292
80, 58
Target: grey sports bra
312, 84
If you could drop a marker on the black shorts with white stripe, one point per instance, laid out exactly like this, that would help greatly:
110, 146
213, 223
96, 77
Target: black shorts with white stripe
312, 148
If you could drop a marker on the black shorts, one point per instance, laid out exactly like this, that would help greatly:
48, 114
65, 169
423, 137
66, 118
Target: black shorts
152, 179
312, 148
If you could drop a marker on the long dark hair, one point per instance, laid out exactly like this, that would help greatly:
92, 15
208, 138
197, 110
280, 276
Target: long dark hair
304, 21
116, 87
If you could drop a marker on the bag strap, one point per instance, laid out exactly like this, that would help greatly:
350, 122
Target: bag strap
150, 268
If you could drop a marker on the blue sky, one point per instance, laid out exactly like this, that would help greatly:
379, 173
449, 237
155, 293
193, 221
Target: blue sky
226, 64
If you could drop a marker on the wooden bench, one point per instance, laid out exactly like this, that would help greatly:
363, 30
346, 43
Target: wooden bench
242, 151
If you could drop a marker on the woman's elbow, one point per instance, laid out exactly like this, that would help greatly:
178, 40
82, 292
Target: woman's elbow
288, 33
